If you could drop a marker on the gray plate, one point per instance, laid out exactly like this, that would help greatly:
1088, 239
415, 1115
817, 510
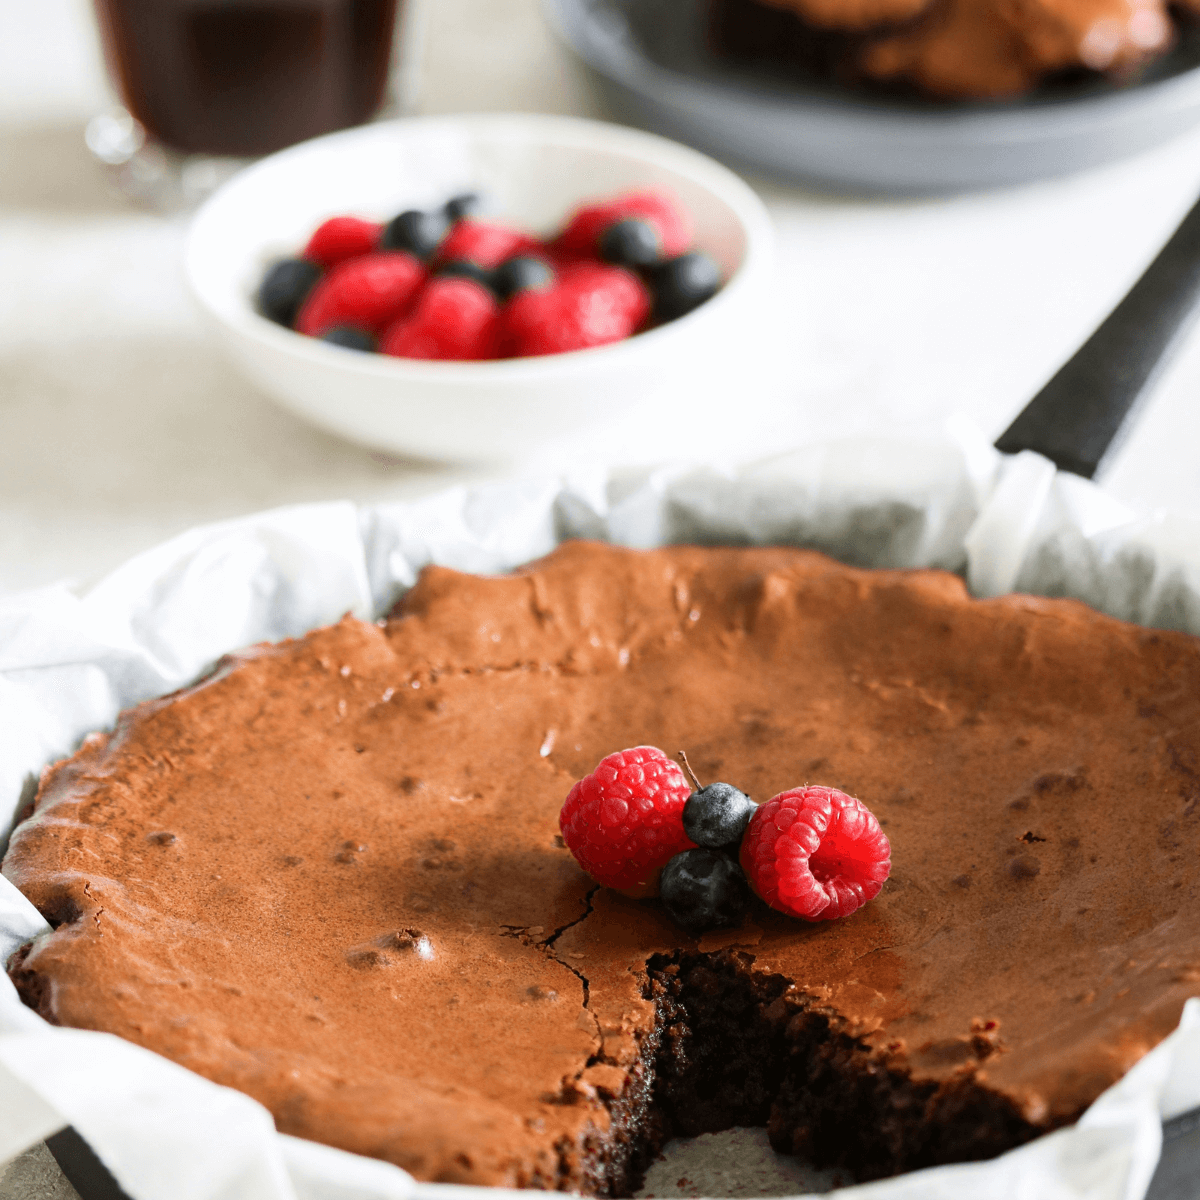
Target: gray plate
651, 62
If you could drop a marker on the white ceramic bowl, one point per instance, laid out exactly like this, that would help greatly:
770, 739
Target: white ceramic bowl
534, 170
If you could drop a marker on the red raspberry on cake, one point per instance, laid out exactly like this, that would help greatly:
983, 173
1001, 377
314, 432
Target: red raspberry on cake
454, 318
485, 243
815, 853
624, 821
581, 237
342, 238
590, 305
368, 293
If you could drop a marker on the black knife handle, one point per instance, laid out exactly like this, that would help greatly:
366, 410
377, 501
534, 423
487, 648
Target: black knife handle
84, 1171
1076, 419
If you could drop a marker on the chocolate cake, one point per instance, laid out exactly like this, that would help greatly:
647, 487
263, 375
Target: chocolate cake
330, 873
953, 49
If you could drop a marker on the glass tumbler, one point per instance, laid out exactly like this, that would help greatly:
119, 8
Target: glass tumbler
208, 84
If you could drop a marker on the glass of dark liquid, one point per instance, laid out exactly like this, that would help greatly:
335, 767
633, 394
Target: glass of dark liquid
207, 84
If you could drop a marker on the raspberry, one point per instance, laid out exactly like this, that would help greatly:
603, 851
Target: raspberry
368, 292
455, 318
624, 821
484, 243
621, 289
581, 237
342, 238
816, 853
591, 305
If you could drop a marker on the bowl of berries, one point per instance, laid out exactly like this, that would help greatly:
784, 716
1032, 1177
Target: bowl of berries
481, 287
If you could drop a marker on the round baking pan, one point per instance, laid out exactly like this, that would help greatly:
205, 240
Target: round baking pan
654, 68
1073, 426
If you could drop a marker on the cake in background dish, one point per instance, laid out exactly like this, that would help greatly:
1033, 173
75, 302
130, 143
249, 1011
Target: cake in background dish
952, 49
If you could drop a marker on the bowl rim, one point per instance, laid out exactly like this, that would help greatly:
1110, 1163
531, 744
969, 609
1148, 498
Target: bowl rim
581, 132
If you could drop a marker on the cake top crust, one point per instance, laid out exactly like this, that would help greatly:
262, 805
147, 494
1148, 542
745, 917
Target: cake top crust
330, 874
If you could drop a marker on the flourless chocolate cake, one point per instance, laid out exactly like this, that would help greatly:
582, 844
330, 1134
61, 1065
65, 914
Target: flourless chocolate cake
330, 874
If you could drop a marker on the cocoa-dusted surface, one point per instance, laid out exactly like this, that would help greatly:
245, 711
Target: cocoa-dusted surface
953, 49
329, 875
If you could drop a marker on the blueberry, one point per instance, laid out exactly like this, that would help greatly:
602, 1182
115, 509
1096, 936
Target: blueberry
467, 269
717, 815
521, 274
631, 243
352, 338
683, 283
284, 289
462, 205
420, 233
704, 889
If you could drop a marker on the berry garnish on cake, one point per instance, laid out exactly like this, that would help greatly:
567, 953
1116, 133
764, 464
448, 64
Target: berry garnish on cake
616, 268
624, 821
716, 816
811, 852
816, 853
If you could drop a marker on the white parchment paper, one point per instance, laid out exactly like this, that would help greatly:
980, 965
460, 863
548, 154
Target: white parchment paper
69, 663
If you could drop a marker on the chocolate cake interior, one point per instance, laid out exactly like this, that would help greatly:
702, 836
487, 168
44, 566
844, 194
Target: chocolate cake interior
732, 1047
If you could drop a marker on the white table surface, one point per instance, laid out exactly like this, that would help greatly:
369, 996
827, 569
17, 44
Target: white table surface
120, 425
